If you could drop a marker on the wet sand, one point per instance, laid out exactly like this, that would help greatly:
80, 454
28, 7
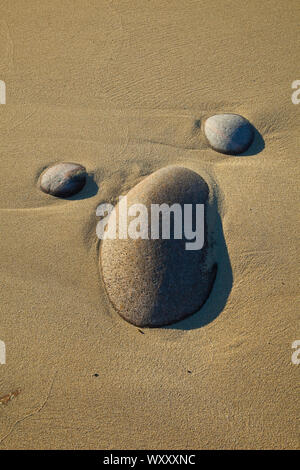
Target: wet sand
123, 88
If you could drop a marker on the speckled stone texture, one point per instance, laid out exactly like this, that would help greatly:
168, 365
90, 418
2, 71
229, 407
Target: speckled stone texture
229, 133
158, 282
63, 179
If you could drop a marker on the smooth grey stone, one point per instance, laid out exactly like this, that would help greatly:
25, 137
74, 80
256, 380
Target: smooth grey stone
155, 282
63, 179
229, 133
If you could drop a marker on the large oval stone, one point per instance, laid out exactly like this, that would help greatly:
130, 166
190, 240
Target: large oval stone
229, 133
155, 282
63, 179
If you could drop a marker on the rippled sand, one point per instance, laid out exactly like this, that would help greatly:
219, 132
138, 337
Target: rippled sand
123, 89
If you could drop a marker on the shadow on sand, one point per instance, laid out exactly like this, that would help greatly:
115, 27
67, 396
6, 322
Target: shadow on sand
220, 291
90, 189
257, 145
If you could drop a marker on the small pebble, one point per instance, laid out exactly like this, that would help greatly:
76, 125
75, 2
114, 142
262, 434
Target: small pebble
63, 179
229, 133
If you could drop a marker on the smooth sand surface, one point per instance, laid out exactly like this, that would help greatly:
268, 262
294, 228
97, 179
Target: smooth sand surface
123, 88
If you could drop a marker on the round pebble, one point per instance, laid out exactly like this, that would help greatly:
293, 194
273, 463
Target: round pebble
63, 179
229, 133
156, 282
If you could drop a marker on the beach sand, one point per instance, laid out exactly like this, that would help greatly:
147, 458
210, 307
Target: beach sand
123, 89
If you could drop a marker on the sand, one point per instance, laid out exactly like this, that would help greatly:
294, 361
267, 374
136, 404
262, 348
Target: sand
123, 89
